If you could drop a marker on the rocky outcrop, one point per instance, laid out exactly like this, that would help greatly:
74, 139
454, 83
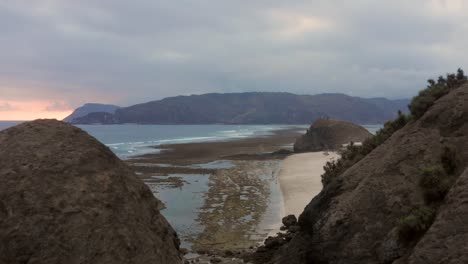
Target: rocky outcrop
66, 198
330, 134
358, 217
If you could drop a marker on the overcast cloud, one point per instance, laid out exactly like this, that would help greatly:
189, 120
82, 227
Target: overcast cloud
125, 52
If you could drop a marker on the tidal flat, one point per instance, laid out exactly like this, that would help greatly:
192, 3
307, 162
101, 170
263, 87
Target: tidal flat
219, 196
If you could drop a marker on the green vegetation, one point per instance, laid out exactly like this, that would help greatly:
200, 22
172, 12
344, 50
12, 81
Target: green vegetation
435, 183
449, 160
353, 153
418, 106
349, 156
415, 224
434, 91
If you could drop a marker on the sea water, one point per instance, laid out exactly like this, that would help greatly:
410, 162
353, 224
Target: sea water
133, 140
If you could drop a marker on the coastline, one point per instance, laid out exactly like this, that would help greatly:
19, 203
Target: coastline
300, 179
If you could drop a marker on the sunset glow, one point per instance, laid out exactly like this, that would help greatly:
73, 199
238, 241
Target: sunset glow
30, 110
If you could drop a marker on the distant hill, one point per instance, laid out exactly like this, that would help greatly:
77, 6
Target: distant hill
90, 108
252, 108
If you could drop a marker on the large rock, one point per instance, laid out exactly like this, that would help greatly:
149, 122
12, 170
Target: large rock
355, 218
66, 198
330, 134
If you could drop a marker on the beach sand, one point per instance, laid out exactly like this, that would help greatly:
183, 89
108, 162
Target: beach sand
300, 179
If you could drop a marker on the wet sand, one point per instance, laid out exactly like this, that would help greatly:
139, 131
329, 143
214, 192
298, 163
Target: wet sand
300, 179
238, 197
252, 148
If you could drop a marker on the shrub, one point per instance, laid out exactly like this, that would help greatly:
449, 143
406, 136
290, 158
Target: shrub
353, 153
414, 225
435, 183
434, 91
349, 156
449, 160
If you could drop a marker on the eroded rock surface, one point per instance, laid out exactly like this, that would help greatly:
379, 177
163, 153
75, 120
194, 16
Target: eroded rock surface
66, 198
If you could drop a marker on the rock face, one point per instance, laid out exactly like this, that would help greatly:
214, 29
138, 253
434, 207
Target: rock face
66, 198
330, 134
355, 218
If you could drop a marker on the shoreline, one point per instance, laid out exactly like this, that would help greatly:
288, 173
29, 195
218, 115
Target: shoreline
300, 179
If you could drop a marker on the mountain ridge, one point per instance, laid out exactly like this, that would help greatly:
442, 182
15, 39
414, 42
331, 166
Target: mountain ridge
251, 108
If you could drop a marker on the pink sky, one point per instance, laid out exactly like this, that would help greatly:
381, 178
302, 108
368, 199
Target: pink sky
30, 110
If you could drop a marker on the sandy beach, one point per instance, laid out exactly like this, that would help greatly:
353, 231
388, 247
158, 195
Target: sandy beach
300, 179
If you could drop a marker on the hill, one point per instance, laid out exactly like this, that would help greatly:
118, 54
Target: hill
253, 108
66, 198
90, 108
330, 134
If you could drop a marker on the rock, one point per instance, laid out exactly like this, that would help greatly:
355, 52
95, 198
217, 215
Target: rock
66, 198
294, 229
355, 218
330, 134
289, 221
274, 242
183, 251
215, 260
261, 249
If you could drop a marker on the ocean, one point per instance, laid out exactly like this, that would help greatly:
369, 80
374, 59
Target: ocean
132, 140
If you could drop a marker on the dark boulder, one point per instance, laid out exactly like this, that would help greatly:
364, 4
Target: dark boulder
289, 221
66, 198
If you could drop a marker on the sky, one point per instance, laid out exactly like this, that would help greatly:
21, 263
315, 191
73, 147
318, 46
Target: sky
59, 54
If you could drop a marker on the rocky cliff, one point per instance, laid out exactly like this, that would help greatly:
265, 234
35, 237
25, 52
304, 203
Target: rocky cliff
330, 134
404, 202
66, 198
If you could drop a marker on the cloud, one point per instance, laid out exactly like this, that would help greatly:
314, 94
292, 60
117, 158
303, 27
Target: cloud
117, 51
58, 106
4, 107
